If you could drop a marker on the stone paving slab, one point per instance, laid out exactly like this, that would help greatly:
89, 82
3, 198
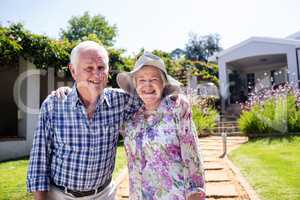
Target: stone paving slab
123, 189
210, 154
216, 176
210, 159
220, 190
211, 146
213, 166
211, 149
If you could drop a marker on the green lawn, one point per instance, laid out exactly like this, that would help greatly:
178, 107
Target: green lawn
13, 176
272, 166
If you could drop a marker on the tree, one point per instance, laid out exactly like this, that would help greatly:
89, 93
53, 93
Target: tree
86, 26
177, 53
199, 48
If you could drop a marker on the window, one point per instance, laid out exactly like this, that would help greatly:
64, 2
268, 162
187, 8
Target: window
250, 82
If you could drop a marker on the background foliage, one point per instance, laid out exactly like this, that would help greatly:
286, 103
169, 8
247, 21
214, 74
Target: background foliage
82, 27
44, 52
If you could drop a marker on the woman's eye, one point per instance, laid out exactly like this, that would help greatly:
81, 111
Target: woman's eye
155, 79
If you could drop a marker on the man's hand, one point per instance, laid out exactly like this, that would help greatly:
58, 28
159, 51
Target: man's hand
183, 102
39, 195
61, 92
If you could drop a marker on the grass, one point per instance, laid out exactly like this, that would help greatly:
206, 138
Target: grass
272, 166
13, 176
121, 160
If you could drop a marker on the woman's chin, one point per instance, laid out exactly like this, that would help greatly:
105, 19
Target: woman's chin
151, 102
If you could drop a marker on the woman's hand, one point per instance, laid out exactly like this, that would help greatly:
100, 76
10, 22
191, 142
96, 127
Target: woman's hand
61, 92
196, 196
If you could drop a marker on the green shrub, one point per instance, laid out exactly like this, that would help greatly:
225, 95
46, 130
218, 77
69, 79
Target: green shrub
275, 115
204, 119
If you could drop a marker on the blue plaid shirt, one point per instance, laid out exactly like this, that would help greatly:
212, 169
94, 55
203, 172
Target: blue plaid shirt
73, 151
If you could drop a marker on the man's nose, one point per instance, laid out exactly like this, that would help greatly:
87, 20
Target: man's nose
99, 74
96, 72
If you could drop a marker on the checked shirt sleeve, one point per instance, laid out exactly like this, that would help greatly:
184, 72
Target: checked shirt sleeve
133, 103
39, 166
191, 156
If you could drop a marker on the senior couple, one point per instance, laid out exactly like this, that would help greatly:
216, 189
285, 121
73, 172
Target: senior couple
74, 147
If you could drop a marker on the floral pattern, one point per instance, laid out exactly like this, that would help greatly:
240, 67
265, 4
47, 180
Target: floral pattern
163, 153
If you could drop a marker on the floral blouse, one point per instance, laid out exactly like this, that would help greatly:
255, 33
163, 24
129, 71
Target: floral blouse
164, 160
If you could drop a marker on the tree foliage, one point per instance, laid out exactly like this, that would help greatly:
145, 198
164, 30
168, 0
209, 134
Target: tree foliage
177, 54
9, 47
16, 41
82, 27
199, 48
39, 49
44, 52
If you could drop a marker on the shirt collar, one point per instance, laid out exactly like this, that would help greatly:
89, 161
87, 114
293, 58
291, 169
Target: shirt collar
75, 100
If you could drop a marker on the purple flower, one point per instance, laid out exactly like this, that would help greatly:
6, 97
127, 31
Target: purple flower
139, 139
197, 180
174, 151
168, 118
260, 97
151, 133
143, 162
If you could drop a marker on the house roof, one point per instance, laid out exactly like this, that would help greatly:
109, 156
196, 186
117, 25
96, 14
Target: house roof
286, 41
295, 36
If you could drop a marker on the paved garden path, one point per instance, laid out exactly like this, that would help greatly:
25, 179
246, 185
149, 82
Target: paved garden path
221, 182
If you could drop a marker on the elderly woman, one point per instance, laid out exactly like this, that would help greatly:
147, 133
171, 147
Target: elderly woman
163, 153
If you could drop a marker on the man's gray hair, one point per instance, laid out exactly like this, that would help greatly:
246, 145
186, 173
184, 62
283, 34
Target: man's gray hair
88, 45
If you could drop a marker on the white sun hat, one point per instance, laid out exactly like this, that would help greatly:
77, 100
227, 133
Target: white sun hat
125, 79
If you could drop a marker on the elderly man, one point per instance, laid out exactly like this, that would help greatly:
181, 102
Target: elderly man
75, 141
74, 145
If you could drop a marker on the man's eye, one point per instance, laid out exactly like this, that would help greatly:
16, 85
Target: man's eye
101, 68
88, 69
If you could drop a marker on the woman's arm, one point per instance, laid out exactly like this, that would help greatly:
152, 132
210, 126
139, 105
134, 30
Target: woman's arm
192, 160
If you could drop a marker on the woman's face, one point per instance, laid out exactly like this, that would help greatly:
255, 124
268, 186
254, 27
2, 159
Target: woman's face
149, 85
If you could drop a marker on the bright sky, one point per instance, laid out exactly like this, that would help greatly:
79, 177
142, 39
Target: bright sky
162, 24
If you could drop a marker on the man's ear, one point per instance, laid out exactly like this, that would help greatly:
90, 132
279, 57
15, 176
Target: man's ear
72, 70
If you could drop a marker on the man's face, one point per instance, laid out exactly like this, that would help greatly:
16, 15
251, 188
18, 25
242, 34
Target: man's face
90, 74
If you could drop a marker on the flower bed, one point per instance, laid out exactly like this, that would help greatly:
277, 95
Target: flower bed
271, 111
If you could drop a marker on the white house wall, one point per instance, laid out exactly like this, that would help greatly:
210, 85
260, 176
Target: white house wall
255, 49
27, 122
292, 67
298, 55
